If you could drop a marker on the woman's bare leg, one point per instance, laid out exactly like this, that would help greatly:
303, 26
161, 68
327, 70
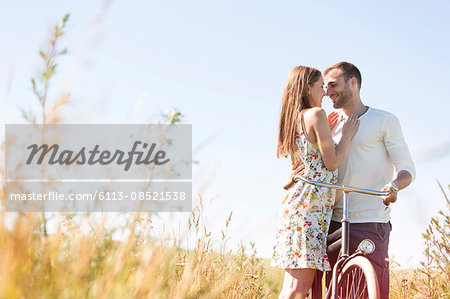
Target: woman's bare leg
296, 283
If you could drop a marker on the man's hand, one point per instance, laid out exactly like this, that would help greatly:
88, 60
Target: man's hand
297, 168
391, 197
403, 179
333, 119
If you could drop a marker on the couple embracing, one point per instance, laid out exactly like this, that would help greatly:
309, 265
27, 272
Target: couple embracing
361, 149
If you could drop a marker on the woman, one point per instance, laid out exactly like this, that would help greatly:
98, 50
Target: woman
305, 214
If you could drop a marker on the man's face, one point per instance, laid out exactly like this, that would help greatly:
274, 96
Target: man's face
337, 89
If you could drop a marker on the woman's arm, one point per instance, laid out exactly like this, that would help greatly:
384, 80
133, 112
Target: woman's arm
316, 119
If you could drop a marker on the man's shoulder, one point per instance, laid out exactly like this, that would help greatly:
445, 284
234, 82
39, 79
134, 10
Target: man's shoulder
383, 119
380, 113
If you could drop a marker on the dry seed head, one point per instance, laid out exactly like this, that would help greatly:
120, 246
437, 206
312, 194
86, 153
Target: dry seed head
201, 200
229, 219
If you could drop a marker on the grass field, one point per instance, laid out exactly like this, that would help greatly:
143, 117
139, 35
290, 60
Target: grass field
72, 264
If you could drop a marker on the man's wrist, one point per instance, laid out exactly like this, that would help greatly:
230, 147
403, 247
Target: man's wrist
289, 185
392, 187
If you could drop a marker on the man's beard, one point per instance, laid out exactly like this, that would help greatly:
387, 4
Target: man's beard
344, 97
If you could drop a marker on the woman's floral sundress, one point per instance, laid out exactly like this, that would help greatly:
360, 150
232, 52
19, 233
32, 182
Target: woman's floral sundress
305, 215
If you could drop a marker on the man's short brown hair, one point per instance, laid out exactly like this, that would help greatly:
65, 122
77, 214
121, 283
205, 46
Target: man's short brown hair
348, 69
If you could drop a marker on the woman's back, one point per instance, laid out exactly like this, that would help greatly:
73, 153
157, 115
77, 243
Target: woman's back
310, 156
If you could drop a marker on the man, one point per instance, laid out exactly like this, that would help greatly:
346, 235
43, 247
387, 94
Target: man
377, 148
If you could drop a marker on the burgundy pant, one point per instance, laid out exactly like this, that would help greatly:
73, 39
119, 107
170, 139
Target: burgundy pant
379, 234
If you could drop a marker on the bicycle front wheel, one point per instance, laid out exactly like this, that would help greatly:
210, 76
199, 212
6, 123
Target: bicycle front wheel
358, 280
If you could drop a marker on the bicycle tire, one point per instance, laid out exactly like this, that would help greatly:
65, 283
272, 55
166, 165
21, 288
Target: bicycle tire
358, 280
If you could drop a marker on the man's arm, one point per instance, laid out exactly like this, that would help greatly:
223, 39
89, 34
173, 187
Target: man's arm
399, 153
297, 168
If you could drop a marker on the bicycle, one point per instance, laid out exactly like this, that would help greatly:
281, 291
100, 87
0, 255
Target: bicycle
353, 275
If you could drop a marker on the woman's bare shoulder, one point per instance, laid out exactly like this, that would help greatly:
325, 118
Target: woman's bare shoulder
314, 113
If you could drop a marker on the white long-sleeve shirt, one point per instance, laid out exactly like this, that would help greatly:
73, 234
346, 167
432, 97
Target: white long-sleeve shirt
377, 148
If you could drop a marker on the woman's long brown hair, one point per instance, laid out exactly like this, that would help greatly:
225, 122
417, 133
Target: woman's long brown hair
295, 98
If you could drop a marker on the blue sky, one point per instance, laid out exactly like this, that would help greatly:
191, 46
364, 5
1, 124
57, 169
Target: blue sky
224, 64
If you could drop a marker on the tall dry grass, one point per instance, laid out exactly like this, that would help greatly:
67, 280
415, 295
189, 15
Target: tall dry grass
432, 278
74, 263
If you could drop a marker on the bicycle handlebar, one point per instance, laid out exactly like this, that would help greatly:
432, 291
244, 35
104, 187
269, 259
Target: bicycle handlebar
346, 189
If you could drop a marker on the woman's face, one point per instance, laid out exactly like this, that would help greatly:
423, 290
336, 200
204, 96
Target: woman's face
317, 93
